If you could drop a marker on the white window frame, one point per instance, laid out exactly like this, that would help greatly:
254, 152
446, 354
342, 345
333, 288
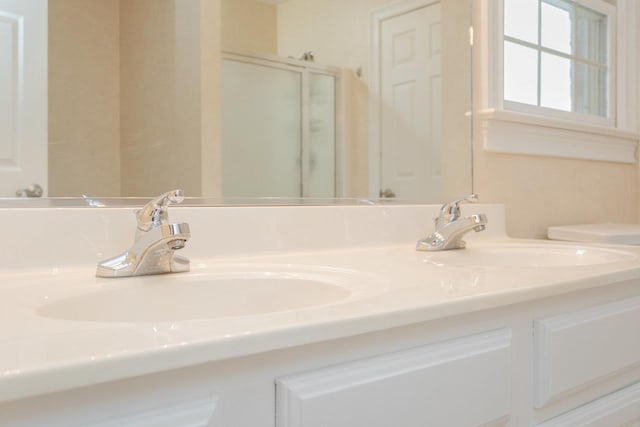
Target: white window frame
512, 127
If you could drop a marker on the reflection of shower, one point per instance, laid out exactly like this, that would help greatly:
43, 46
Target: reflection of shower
278, 127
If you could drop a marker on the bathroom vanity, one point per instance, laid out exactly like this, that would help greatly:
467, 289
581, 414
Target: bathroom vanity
315, 317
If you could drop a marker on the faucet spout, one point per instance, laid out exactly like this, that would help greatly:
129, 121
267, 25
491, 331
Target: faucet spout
153, 251
451, 227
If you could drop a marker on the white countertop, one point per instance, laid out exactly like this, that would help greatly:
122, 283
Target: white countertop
390, 285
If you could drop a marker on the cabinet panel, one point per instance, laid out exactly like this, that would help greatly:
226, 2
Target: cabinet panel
619, 409
462, 382
576, 349
196, 413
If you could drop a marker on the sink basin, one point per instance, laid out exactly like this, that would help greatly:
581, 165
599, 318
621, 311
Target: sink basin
528, 255
182, 297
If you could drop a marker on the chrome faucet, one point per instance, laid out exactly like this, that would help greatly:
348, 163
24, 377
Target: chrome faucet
155, 243
451, 227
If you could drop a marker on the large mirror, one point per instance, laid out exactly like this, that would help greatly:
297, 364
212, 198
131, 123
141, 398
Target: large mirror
236, 99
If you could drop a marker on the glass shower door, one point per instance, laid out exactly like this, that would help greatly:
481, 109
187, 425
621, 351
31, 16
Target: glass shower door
261, 131
321, 180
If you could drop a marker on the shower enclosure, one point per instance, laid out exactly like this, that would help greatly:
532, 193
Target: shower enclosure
279, 127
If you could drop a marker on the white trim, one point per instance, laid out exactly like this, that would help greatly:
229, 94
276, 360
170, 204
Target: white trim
556, 123
195, 413
376, 17
553, 114
627, 67
515, 133
492, 70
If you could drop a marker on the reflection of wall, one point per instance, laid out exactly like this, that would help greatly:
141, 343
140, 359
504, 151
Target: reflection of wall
130, 83
456, 102
84, 89
162, 92
336, 30
148, 103
250, 26
338, 39
355, 133
342, 39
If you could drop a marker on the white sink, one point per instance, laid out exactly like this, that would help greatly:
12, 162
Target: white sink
527, 255
190, 296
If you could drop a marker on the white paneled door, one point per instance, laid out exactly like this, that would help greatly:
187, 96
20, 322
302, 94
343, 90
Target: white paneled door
410, 107
23, 95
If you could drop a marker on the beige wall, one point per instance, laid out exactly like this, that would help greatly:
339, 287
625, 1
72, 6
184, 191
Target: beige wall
210, 123
249, 26
456, 101
539, 192
84, 93
133, 93
166, 95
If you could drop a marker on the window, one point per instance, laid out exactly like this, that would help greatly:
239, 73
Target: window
559, 57
558, 77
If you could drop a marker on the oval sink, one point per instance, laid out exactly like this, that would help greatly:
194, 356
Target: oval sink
542, 255
204, 296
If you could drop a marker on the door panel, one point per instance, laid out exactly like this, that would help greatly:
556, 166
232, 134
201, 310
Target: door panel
23, 95
411, 103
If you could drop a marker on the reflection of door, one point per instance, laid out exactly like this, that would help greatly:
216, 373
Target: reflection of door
23, 95
410, 103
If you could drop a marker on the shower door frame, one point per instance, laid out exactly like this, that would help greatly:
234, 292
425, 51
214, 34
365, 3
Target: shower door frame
305, 68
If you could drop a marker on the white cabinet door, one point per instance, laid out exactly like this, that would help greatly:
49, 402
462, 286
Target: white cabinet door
201, 412
462, 383
619, 409
197, 413
577, 349
23, 95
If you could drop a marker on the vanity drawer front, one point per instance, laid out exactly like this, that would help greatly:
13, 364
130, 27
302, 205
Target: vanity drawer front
110, 405
577, 349
619, 409
462, 382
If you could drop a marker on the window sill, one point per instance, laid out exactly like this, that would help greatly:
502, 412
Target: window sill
519, 133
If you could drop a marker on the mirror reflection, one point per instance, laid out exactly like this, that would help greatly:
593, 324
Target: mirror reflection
236, 98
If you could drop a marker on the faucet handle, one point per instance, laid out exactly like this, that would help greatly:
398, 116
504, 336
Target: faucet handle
450, 211
156, 212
